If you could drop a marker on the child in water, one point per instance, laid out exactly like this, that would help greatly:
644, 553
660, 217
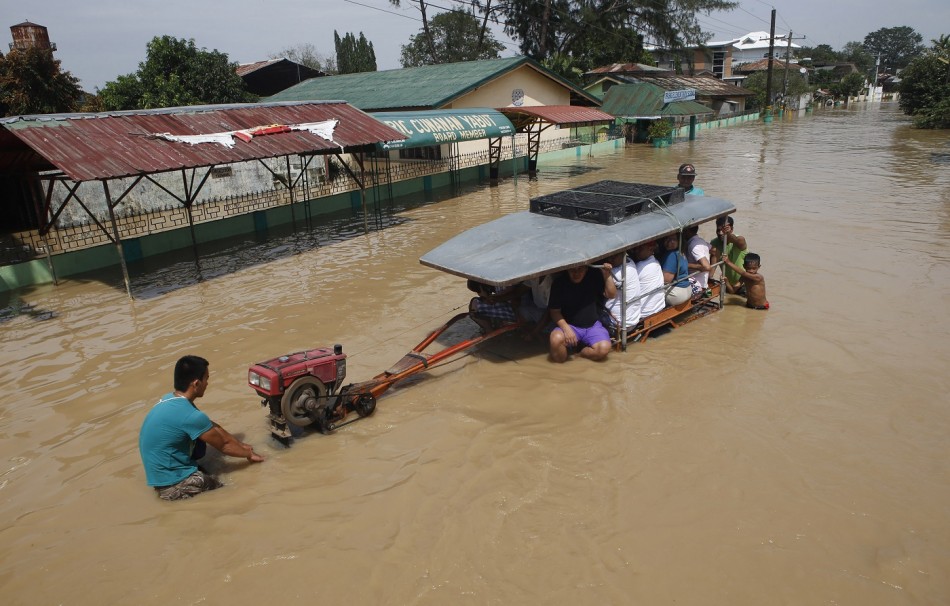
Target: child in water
753, 281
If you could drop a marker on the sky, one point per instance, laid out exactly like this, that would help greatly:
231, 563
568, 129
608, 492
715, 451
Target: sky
100, 40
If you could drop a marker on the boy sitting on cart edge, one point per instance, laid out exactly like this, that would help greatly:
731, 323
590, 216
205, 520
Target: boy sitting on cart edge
577, 297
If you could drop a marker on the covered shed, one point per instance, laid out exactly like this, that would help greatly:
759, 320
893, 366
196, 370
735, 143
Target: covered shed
68, 150
642, 103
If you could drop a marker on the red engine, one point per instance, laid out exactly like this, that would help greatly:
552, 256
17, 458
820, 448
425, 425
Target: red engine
306, 388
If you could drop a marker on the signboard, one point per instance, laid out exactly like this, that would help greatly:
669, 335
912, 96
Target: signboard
671, 96
435, 127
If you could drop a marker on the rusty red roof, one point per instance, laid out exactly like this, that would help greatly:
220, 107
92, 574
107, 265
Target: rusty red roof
554, 114
121, 144
246, 68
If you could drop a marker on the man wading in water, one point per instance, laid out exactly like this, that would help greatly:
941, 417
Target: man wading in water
175, 432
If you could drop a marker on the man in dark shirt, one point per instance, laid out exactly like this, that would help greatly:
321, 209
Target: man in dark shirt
577, 297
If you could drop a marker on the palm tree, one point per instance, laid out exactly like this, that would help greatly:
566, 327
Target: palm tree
941, 45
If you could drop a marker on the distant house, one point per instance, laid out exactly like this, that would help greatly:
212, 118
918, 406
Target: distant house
266, 78
721, 58
755, 45
713, 57
602, 79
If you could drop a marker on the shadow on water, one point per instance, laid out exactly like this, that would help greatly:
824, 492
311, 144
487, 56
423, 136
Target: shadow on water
160, 274
12, 306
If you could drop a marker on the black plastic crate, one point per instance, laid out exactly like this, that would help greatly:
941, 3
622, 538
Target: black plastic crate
605, 202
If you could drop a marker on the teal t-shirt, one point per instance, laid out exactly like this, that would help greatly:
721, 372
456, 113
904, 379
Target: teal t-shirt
167, 440
696, 191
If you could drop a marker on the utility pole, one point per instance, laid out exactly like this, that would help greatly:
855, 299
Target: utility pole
768, 78
788, 52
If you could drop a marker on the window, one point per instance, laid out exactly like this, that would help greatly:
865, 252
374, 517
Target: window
433, 152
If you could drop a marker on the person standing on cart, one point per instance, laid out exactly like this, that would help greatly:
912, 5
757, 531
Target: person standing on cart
577, 298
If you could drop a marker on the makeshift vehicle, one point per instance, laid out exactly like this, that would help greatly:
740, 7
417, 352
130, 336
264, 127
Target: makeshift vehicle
562, 230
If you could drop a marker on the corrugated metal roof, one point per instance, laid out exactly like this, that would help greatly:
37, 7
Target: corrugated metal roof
555, 114
644, 100
246, 68
706, 86
629, 68
425, 87
118, 144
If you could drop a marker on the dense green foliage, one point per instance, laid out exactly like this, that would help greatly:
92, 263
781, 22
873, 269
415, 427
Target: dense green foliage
354, 55
176, 73
796, 86
849, 86
897, 46
854, 52
925, 87
31, 82
453, 36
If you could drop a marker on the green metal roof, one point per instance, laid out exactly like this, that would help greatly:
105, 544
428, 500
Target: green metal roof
438, 126
644, 100
426, 87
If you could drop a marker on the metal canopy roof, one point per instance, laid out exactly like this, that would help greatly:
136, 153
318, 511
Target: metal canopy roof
567, 115
644, 100
122, 144
526, 245
439, 126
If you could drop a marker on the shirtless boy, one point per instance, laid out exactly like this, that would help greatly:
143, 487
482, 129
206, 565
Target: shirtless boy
753, 281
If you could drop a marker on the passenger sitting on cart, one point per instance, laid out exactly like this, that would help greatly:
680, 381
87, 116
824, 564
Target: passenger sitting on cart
577, 297
675, 272
490, 309
631, 292
697, 255
651, 279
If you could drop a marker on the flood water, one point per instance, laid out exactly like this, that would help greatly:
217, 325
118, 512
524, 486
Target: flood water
794, 456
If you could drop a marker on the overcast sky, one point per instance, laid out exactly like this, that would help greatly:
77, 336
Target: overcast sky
102, 39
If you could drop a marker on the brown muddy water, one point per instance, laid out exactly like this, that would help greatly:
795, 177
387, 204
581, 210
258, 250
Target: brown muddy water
794, 456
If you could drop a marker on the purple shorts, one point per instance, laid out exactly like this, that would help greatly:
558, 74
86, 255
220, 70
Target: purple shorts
590, 335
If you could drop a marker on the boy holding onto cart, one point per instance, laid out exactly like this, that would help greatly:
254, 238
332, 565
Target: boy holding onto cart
753, 281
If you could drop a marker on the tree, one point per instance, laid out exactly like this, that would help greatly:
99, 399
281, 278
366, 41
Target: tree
896, 46
176, 73
32, 82
454, 36
925, 87
849, 86
822, 54
573, 27
354, 55
428, 36
854, 52
756, 83
307, 54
